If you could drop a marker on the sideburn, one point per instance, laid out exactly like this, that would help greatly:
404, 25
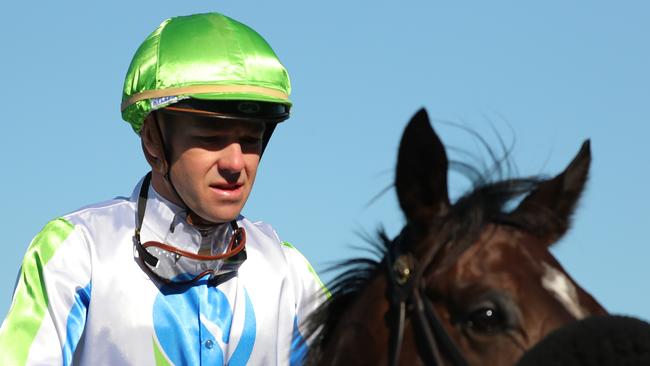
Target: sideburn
165, 132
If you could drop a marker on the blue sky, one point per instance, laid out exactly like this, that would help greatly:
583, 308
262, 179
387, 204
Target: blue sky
546, 76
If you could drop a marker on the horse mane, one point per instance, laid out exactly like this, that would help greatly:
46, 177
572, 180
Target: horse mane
489, 200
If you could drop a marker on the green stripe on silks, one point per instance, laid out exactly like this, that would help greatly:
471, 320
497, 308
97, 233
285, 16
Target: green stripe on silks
159, 354
30, 297
311, 269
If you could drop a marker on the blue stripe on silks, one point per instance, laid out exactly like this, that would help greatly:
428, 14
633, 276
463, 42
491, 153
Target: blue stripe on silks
76, 322
247, 341
182, 333
298, 346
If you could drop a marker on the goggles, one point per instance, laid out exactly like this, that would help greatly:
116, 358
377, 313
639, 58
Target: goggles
170, 264
263, 112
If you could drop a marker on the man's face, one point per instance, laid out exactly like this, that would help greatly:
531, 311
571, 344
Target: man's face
213, 162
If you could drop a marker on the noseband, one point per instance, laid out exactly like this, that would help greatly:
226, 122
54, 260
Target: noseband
406, 294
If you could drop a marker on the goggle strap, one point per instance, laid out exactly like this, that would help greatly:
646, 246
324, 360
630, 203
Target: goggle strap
145, 255
142, 201
237, 259
142, 205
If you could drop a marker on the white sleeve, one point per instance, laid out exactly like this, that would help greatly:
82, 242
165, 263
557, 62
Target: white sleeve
310, 293
52, 294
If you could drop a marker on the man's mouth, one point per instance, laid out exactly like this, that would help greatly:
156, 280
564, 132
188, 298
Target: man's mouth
228, 189
227, 186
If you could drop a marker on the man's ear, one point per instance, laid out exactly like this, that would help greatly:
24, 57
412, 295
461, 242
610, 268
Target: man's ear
152, 145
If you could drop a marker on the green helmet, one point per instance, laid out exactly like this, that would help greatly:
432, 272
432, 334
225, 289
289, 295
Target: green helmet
205, 57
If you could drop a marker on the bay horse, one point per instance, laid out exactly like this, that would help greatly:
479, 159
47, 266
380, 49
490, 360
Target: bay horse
465, 283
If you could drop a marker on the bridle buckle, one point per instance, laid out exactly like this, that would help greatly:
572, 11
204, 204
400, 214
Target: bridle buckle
402, 269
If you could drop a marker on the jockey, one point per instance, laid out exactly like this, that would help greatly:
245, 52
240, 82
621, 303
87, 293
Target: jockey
174, 274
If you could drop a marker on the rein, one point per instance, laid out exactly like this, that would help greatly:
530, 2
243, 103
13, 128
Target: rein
406, 294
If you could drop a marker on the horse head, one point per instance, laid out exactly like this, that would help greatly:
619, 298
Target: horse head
469, 282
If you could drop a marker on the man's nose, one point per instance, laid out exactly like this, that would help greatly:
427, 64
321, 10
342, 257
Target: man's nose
232, 159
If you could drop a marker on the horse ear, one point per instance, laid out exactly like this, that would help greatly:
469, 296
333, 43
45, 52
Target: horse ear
548, 209
421, 176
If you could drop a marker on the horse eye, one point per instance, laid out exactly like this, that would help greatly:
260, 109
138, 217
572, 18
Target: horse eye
486, 319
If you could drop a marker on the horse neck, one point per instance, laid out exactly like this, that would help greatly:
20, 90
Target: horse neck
360, 335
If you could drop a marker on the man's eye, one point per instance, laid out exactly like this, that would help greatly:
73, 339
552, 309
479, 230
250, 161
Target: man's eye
250, 140
210, 139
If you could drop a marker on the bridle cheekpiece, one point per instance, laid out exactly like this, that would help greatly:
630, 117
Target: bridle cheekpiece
406, 293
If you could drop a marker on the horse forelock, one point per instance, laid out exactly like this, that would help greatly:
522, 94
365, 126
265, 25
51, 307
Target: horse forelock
487, 204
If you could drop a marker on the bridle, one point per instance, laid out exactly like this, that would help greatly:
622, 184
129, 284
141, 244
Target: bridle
406, 293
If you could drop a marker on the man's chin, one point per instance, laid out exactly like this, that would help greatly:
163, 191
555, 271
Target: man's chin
220, 210
214, 218
223, 215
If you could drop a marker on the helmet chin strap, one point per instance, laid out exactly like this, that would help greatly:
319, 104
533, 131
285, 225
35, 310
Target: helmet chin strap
191, 215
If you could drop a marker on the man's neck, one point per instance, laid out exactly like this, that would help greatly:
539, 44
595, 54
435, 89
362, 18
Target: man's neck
163, 187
